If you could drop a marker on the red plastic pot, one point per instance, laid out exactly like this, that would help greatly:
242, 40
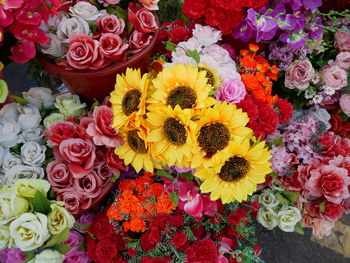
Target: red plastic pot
97, 84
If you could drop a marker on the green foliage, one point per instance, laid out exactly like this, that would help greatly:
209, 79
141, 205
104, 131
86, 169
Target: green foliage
170, 46
16, 149
20, 100
62, 248
299, 229
174, 197
133, 243
164, 174
190, 236
41, 203
193, 54
59, 238
170, 10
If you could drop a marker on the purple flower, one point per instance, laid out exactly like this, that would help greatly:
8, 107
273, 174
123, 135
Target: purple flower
294, 4
287, 22
76, 257
232, 91
85, 220
74, 240
12, 255
312, 4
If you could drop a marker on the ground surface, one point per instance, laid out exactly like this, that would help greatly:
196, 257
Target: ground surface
278, 247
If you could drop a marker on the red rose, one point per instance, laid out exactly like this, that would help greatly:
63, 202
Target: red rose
328, 210
285, 110
330, 143
178, 34
291, 183
194, 8
138, 41
110, 24
180, 241
202, 251
80, 155
112, 47
90, 185
73, 200
237, 216
142, 19
60, 131
105, 251
114, 163
104, 172
58, 175
303, 173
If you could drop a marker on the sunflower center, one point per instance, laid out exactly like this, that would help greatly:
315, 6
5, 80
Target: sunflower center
183, 96
213, 137
174, 131
131, 101
136, 143
209, 75
234, 169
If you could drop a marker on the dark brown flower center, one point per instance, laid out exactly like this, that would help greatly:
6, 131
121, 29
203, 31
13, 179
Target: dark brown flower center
208, 74
174, 131
136, 143
213, 137
183, 96
131, 101
234, 169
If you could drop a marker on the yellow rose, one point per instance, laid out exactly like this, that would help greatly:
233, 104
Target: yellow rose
28, 187
11, 206
59, 218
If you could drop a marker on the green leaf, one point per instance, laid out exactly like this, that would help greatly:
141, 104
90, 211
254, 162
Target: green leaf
322, 206
282, 199
121, 13
41, 203
16, 149
115, 177
129, 27
81, 247
164, 174
299, 229
291, 196
63, 248
193, 54
93, 28
174, 197
85, 226
20, 100
59, 238
277, 142
170, 46
29, 256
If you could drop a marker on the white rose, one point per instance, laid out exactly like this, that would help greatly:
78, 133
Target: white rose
71, 26
86, 11
11, 206
206, 35
288, 217
267, 217
39, 97
55, 48
48, 255
10, 160
9, 130
23, 172
54, 20
53, 118
218, 54
268, 199
228, 71
3, 152
29, 231
32, 135
277, 185
9, 112
2, 178
29, 117
33, 153
59, 218
5, 238
69, 105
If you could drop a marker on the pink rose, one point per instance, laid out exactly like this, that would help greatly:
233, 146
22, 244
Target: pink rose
299, 74
81, 129
114, 162
342, 41
109, 2
80, 155
343, 60
329, 181
344, 103
104, 172
341, 161
329, 210
232, 91
100, 158
320, 227
72, 199
101, 128
291, 183
83, 53
138, 41
60, 131
112, 47
89, 186
334, 77
142, 19
303, 173
150, 4
58, 175
110, 24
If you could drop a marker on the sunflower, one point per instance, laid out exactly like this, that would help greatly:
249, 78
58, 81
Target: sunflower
129, 99
216, 127
181, 85
212, 76
172, 135
136, 151
237, 172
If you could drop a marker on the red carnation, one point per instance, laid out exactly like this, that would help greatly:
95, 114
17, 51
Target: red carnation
204, 251
105, 251
148, 259
160, 220
237, 216
248, 105
224, 19
285, 110
229, 4
216, 219
195, 8
176, 220
102, 229
179, 33
90, 244
180, 241
146, 243
198, 231
268, 118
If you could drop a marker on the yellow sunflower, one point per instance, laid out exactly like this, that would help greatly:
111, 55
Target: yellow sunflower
236, 174
211, 75
129, 99
215, 129
136, 151
180, 85
172, 135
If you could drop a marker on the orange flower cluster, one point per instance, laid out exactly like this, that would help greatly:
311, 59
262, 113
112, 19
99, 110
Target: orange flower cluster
257, 74
139, 200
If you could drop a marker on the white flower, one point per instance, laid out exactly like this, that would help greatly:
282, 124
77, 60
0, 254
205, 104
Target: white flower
268, 199
32, 135
328, 90
48, 255
3, 152
23, 172
267, 217
71, 26
218, 54
277, 185
10, 160
59, 219
9, 112
69, 105
208, 61
228, 71
53, 22
55, 48
288, 217
33, 153
9, 130
39, 97
11, 206
29, 117
309, 93
86, 11
206, 35
53, 118
29, 231
317, 99
5, 238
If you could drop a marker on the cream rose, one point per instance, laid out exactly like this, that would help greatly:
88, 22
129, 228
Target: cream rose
29, 231
9, 130
288, 217
86, 11
9, 112
48, 255
40, 97
29, 117
33, 153
18, 172
69, 105
59, 218
268, 199
53, 118
28, 187
11, 206
55, 48
5, 238
267, 217
10, 160
72, 26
